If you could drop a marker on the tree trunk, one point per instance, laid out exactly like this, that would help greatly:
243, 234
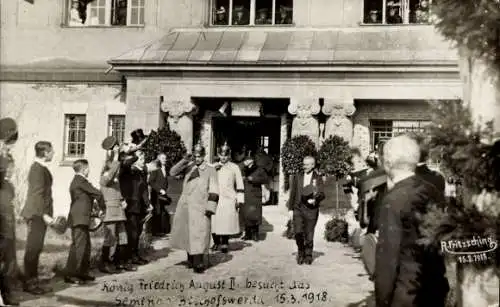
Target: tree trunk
482, 93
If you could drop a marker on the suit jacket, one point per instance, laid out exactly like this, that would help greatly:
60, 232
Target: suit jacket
369, 211
134, 188
297, 188
406, 273
39, 196
158, 182
431, 176
83, 195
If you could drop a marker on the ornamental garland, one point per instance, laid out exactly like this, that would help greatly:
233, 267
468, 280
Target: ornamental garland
335, 157
167, 141
467, 153
473, 24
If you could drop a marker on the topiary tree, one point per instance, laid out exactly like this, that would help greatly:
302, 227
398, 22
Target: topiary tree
167, 141
335, 159
293, 152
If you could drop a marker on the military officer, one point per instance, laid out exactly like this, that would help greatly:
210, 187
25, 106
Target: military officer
195, 208
231, 197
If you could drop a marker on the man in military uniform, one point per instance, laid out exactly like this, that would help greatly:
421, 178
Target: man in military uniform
226, 221
8, 137
195, 208
262, 17
284, 17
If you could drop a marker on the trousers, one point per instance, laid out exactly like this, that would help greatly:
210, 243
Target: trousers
134, 229
304, 222
78, 263
34, 246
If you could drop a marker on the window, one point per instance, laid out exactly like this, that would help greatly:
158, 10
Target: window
74, 129
396, 12
251, 12
106, 13
383, 130
116, 127
264, 143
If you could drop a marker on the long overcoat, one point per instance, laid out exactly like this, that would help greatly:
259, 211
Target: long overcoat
231, 192
251, 211
200, 193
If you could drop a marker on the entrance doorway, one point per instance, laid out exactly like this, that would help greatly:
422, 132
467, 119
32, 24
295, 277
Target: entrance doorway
254, 134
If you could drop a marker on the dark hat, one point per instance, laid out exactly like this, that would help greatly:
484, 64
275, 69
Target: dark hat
224, 150
60, 225
239, 9
285, 8
109, 142
263, 10
137, 136
8, 130
199, 149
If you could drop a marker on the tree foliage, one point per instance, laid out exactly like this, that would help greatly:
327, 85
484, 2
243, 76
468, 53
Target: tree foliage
167, 141
474, 24
293, 152
335, 157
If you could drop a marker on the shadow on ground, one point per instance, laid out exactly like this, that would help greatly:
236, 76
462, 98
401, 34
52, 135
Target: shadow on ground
368, 301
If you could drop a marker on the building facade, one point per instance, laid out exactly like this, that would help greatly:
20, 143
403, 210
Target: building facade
250, 72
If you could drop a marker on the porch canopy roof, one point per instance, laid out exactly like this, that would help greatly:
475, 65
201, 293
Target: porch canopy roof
413, 46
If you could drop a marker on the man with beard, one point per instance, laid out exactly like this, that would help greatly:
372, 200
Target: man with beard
231, 197
195, 208
406, 273
251, 210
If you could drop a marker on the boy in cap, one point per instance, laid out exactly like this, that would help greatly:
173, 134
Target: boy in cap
83, 195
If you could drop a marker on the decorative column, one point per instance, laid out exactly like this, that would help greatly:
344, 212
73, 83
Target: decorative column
180, 119
339, 121
282, 193
304, 123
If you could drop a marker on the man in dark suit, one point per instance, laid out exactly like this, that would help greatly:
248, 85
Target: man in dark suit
134, 189
37, 211
83, 195
422, 169
406, 273
158, 180
306, 193
8, 137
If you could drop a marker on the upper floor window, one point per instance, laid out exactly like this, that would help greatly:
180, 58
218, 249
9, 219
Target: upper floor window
116, 127
396, 12
383, 130
106, 13
74, 140
251, 12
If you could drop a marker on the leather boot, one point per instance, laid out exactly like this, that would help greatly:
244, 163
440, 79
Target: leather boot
216, 239
105, 265
190, 261
255, 233
248, 234
198, 265
299, 239
224, 247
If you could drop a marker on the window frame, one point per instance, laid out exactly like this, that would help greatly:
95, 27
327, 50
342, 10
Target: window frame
382, 123
110, 131
405, 17
66, 142
252, 16
108, 15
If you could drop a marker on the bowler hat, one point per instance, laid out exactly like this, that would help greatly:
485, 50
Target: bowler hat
8, 130
109, 142
137, 136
